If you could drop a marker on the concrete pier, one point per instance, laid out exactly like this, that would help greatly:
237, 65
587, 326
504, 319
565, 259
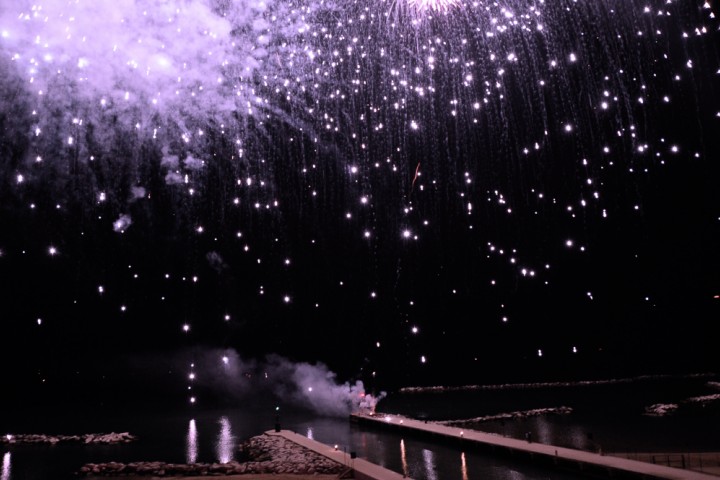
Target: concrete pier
358, 469
587, 464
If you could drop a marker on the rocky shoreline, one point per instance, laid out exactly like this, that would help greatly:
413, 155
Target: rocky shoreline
263, 454
102, 438
508, 416
662, 409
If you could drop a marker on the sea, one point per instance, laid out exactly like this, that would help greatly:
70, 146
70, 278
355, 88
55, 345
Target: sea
672, 414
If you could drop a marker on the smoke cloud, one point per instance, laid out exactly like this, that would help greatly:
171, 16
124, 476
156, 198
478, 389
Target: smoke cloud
162, 70
160, 54
223, 373
122, 223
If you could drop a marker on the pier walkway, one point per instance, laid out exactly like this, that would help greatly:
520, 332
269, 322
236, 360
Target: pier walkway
586, 463
359, 469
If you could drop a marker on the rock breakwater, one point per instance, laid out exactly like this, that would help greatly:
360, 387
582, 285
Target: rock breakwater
263, 454
103, 438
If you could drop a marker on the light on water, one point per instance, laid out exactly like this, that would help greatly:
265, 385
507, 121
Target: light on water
226, 442
6, 467
192, 443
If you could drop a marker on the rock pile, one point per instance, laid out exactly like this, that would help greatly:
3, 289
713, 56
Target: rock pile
104, 438
509, 416
261, 454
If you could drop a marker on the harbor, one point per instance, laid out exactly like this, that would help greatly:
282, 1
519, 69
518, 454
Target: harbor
587, 464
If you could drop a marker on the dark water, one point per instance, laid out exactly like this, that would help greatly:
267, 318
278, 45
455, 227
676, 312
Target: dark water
609, 416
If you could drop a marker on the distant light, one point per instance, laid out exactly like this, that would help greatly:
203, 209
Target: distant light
423, 359
192, 399
186, 328
225, 360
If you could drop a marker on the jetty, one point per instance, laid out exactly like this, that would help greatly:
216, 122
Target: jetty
357, 468
587, 464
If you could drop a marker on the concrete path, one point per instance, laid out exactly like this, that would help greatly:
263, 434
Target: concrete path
577, 459
362, 469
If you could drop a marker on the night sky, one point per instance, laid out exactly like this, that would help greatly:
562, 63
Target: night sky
409, 193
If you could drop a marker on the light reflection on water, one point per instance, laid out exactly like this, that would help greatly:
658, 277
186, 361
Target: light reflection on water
6, 467
403, 458
192, 443
225, 442
429, 461
463, 466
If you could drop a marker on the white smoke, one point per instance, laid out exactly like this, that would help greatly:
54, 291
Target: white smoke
161, 69
122, 223
192, 163
216, 261
311, 386
315, 386
174, 178
164, 54
137, 193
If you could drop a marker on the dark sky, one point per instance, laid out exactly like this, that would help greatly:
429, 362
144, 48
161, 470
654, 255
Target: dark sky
479, 194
